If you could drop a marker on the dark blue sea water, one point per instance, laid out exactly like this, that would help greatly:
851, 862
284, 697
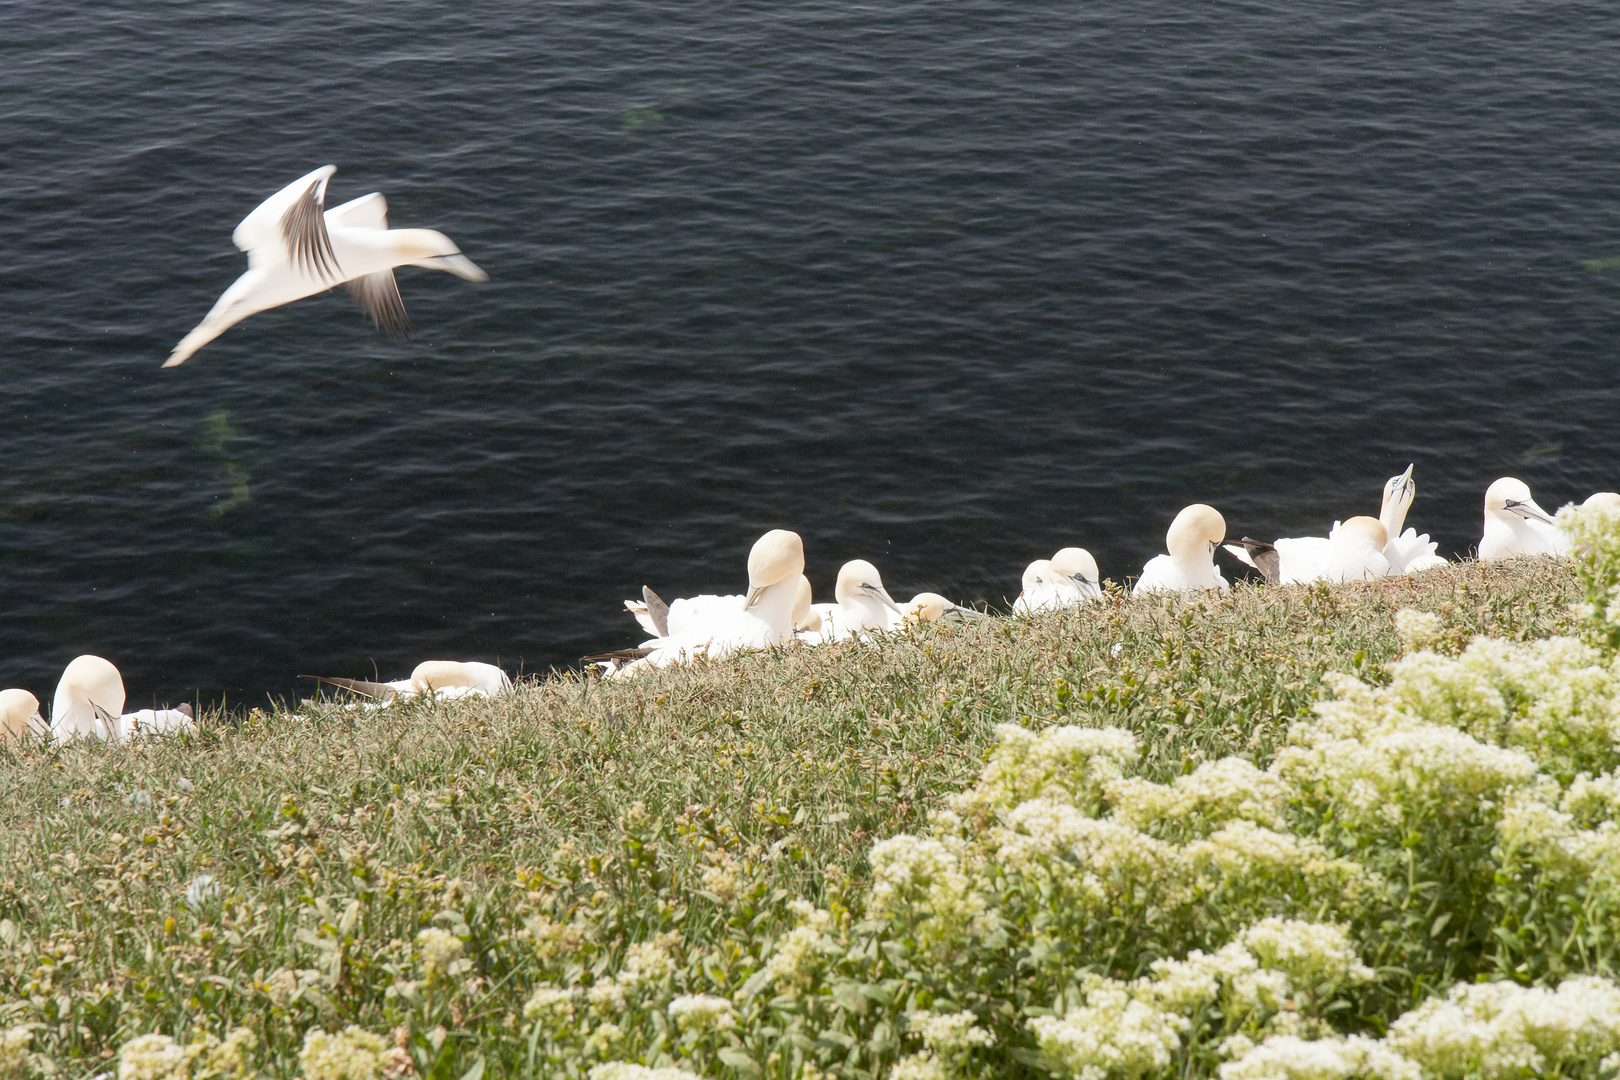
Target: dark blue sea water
943, 285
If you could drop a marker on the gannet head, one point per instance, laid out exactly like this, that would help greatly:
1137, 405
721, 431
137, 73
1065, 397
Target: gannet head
1368, 530
1195, 533
927, 607
89, 699
1076, 564
1511, 496
1035, 573
18, 711
775, 557
859, 579
1399, 491
1608, 500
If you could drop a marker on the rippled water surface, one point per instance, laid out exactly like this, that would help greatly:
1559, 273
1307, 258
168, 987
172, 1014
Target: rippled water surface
946, 286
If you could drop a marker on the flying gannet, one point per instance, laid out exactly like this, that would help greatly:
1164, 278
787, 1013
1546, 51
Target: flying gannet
1190, 567
90, 704
1515, 525
297, 248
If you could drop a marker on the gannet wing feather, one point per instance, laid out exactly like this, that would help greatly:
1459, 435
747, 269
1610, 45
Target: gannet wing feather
378, 297
366, 212
303, 232
657, 611
380, 691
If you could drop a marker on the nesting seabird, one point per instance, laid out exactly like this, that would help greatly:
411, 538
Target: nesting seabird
1515, 525
90, 704
1190, 565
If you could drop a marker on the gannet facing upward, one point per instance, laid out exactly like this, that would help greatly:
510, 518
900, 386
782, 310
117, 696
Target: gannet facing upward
445, 678
297, 248
720, 629
1515, 525
1190, 567
19, 716
1403, 548
90, 704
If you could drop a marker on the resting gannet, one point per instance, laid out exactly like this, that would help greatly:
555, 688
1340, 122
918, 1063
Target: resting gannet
1515, 525
19, 716
1190, 567
1068, 579
90, 704
445, 678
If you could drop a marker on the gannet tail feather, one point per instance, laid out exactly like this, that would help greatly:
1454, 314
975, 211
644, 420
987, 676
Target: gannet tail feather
657, 611
378, 296
380, 691
303, 230
1260, 555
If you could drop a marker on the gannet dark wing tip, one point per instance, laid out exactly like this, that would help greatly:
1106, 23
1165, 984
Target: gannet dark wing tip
378, 296
657, 611
381, 691
303, 229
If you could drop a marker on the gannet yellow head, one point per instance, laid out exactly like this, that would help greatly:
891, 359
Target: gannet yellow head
1196, 532
1367, 528
1512, 496
927, 607
90, 690
1077, 564
859, 578
1608, 500
18, 708
775, 557
1035, 573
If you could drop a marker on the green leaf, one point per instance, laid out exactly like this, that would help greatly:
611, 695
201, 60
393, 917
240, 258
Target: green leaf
737, 1058
476, 1072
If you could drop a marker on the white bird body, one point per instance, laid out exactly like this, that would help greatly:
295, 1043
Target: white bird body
295, 249
19, 716
1515, 525
718, 628
442, 678
864, 606
1190, 565
89, 703
1068, 579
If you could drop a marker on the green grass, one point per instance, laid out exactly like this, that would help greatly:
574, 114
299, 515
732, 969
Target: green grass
336, 835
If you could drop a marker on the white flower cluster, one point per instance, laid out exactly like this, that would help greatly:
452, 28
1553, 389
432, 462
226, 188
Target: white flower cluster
14, 1056
160, 1057
700, 1014
625, 1070
648, 961
351, 1054
1418, 629
1217, 791
438, 953
927, 872
1492, 1031
1114, 1033
949, 1032
551, 1003
797, 953
1070, 764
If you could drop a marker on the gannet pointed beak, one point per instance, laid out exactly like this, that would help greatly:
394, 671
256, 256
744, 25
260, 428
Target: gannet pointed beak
1406, 486
1528, 510
753, 597
102, 714
882, 594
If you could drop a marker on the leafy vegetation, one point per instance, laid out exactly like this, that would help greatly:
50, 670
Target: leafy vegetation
790, 865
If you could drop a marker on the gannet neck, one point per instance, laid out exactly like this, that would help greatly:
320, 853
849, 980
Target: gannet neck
774, 608
1399, 491
89, 698
801, 605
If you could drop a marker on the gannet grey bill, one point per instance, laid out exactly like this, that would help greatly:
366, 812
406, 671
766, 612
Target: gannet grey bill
775, 557
1515, 525
297, 248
